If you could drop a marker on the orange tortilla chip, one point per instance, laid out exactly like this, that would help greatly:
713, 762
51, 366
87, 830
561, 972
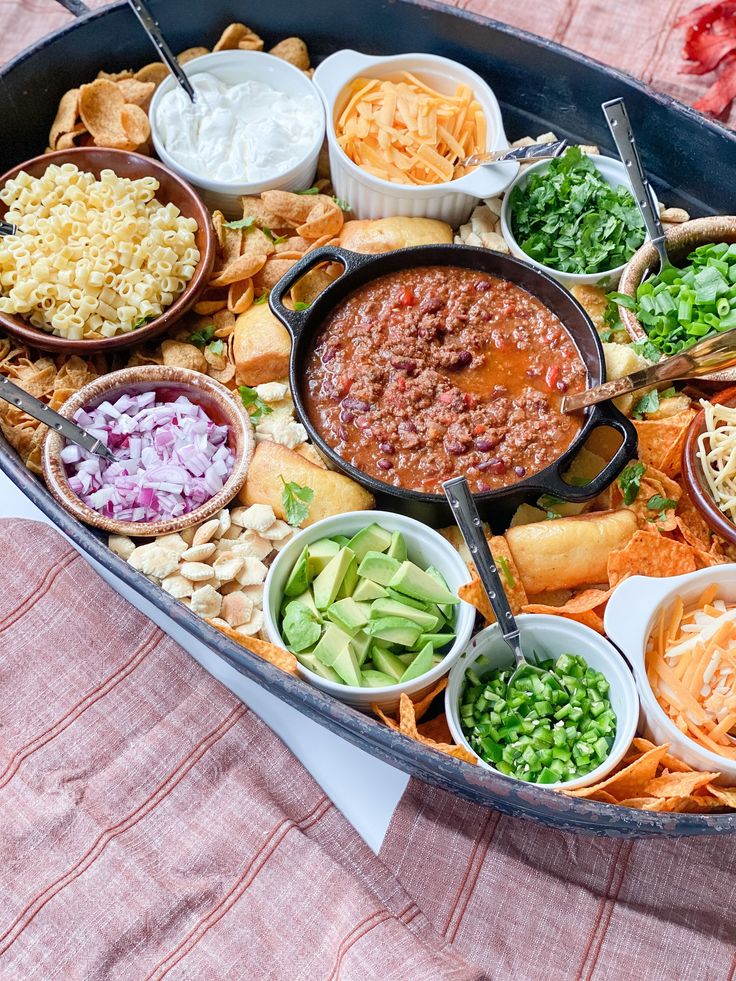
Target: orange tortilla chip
669, 762
293, 209
630, 781
678, 784
726, 795
277, 656
436, 729
650, 554
206, 307
660, 441
643, 803
474, 593
421, 706
694, 804
391, 723
580, 607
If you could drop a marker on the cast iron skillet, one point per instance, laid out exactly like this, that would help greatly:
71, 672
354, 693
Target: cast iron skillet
496, 506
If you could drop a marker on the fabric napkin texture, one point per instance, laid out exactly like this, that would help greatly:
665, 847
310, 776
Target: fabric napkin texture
151, 826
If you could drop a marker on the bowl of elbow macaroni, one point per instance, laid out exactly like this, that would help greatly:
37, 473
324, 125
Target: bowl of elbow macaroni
110, 248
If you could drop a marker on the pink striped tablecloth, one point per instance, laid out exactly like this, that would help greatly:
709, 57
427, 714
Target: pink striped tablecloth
151, 826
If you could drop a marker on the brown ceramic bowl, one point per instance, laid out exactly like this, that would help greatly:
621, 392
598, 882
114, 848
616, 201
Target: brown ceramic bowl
171, 189
170, 383
681, 240
692, 473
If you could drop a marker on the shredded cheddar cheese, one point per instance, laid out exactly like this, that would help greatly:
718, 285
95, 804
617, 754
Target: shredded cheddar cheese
691, 666
406, 132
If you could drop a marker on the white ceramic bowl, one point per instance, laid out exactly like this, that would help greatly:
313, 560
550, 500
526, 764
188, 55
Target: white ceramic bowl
614, 173
630, 616
551, 636
373, 197
425, 547
234, 67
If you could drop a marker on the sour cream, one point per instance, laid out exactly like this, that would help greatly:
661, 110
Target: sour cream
243, 133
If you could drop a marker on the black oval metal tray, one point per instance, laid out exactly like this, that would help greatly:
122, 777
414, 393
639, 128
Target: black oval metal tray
541, 87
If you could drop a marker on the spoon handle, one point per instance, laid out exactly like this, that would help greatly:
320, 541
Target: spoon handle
151, 26
618, 122
468, 521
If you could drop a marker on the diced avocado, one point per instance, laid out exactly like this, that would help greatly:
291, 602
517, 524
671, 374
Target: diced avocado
378, 567
420, 665
394, 630
320, 553
370, 539
314, 664
437, 641
376, 679
350, 580
387, 663
299, 576
325, 587
342, 540
367, 590
361, 644
331, 643
447, 611
393, 608
346, 666
300, 627
434, 609
413, 581
349, 615
397, 548
306, 599
394, 594
408, 657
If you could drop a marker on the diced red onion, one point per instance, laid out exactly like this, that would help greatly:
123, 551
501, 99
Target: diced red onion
170, 458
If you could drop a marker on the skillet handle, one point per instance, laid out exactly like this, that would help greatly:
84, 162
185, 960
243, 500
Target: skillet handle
294, 320
613, 419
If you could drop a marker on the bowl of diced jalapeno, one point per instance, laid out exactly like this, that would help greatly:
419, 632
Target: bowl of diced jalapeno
566, 727
367, 602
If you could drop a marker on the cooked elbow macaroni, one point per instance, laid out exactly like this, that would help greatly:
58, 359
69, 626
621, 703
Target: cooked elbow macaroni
92, 257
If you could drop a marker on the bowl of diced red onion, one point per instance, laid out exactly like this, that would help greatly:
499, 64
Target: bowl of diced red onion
182, 446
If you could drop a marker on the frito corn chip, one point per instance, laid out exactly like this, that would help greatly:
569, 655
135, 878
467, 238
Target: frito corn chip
238, 36
155, 72
243, 267
189, 53
240, 296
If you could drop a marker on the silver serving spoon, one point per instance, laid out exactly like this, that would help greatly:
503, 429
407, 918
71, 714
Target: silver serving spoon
151, 26
10, 392
623, 136
468, 521
521, 154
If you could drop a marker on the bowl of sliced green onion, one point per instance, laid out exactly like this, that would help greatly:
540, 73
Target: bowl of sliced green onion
566, 728
693, 299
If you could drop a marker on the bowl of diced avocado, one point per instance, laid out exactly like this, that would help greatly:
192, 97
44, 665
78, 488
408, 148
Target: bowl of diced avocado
368, 603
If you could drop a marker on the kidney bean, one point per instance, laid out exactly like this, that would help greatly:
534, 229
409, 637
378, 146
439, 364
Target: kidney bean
431, 304
483, 487
384, 463
342, 433
328, 354
486, 445
386, 447
407, 426
494, 465
455, 447
362, 423
481, 286
520, 471
357, 404
404, 364
462, 360
561, 386
346, 416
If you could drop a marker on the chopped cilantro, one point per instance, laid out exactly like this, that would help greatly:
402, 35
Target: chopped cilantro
630, 481
649, 402
240, 223
647, 350
569, 218
342, 204
309, 190
606, 335
658, 503
300, 305
263, 298
203, 335
276, 239
216, 347
252, 400
504, 566
144, 320
296, 500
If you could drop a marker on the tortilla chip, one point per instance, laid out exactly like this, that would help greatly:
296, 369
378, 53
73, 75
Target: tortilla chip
190, 53
580, 607
244, 267
643, 803
421, 707
436, 729
262, 215
630, 781
668, 762
238, 36
650, 554
691, 524
277, 656
678, 784
66, 116
726, 795
694, 804
386, 719
661, 441
101, 105
135, 92
474, 593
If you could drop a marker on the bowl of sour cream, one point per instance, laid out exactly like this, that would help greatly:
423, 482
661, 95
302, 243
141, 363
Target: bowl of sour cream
257, 123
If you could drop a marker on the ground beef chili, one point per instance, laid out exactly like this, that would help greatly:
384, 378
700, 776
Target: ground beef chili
433, 372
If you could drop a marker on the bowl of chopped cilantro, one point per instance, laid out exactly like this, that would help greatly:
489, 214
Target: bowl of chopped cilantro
693, 299
565, 728
574, 217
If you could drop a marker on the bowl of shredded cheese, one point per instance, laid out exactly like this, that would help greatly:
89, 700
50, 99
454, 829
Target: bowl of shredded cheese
709, 463
679, 635
398, 130
110, 248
